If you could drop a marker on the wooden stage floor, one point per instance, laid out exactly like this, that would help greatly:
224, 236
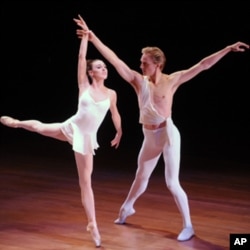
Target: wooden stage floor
40, 206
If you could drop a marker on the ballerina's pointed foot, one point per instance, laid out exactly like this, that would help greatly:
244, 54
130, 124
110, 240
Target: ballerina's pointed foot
92, 228
123, 215
9, 121
186, 234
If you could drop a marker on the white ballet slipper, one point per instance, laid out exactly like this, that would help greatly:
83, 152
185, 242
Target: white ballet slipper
186, 234
123, 215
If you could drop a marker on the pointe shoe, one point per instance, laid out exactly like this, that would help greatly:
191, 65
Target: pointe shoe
186, 234
92, 228
123, 215
8, 121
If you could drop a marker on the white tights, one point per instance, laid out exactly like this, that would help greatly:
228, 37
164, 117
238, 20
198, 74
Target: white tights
85, 168
164, 141
84, 162
47, 129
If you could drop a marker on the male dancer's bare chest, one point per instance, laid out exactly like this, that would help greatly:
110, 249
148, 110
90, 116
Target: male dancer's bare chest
160, 94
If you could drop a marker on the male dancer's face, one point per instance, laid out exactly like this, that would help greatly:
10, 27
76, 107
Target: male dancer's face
147, 65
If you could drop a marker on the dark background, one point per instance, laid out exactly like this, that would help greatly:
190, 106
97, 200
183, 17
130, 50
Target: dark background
39, 50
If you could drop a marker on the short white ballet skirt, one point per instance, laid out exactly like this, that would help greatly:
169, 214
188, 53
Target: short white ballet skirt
81, 128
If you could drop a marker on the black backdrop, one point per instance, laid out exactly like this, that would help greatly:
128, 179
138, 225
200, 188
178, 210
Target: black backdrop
39, 51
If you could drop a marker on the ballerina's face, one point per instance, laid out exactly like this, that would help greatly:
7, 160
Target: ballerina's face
99, 69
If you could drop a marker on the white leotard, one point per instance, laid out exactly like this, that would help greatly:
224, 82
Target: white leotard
81, 129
